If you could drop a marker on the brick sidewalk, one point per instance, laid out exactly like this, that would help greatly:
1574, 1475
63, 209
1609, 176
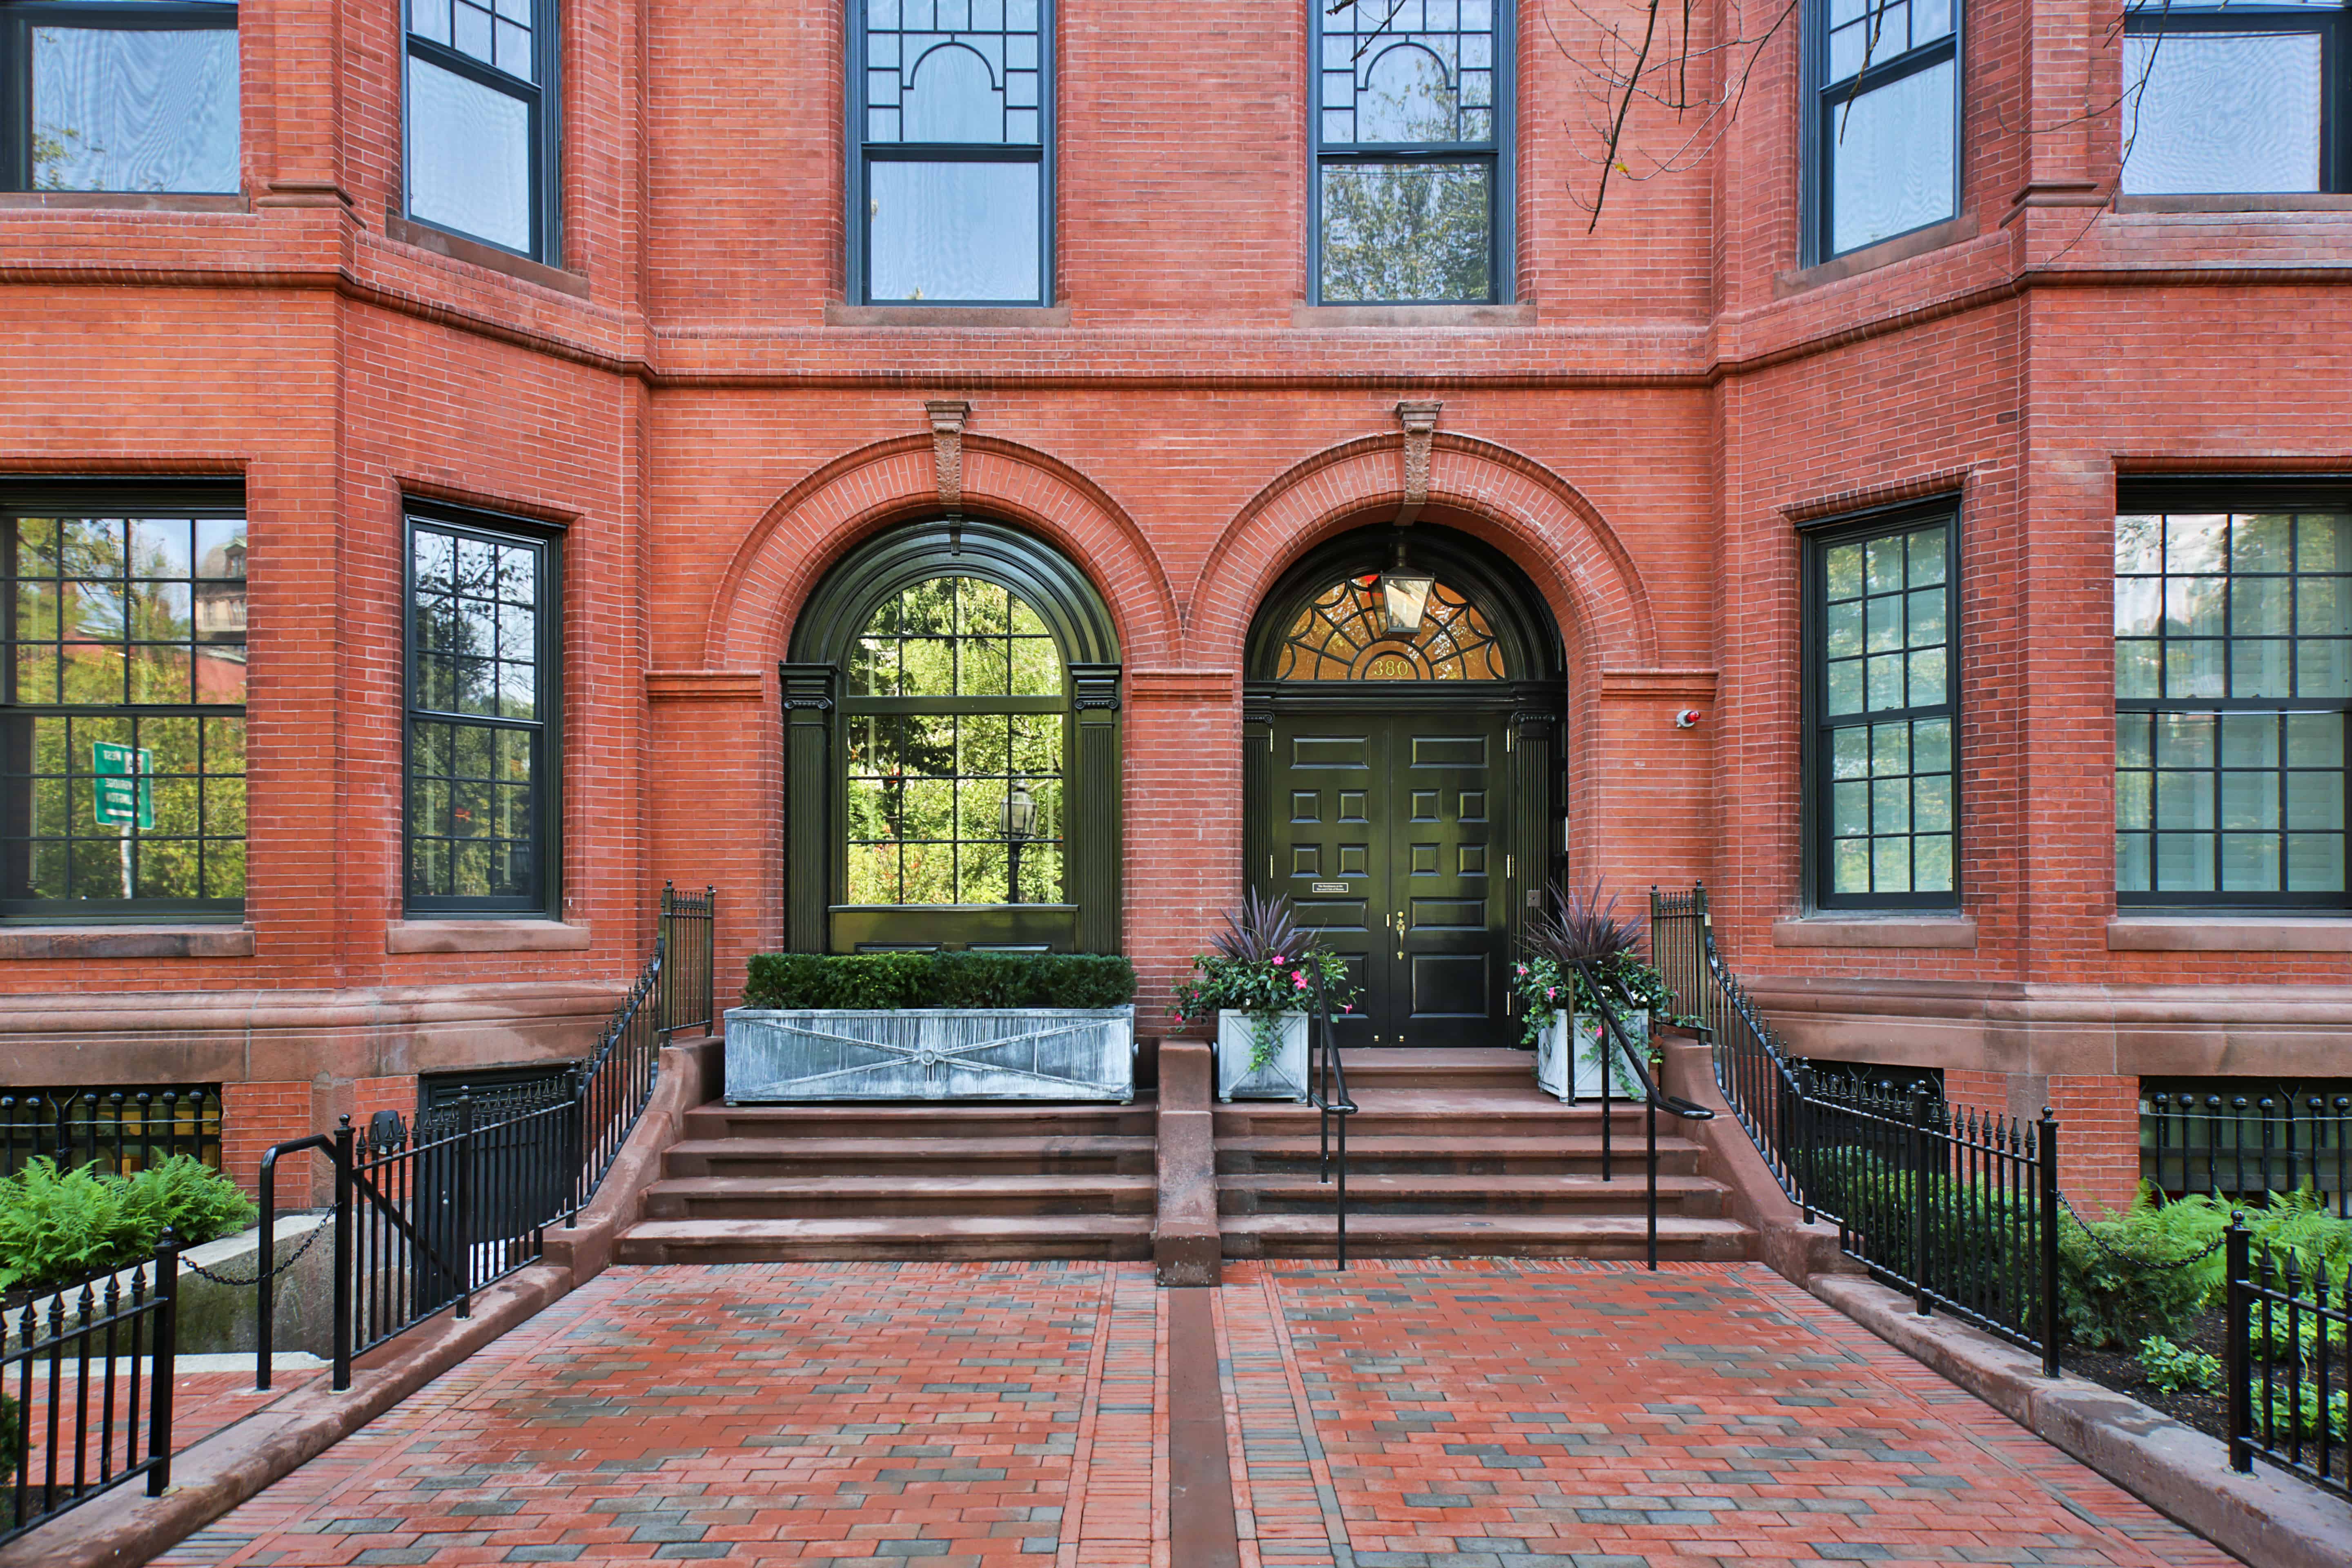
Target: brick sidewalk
1451, 1415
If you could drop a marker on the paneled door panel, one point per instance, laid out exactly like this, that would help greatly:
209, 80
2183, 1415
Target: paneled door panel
1385, 839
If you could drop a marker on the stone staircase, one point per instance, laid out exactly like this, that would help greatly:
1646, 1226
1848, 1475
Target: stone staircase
1454, 1154
769, 1183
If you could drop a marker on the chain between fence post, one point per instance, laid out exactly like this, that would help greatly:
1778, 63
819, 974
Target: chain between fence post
2047, 1151
2240, 1354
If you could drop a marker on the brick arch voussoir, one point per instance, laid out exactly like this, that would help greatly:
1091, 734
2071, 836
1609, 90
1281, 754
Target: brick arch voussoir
1538, 520
809, 528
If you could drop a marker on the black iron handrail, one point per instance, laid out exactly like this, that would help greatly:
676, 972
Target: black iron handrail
1324, 1069
1756, 1073
1609, 999
672, 992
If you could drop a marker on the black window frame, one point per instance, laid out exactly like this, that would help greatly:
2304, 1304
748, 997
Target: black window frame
862, 153
545, 99
197, 499
19, 18
2333, 26
2254, 494
545, 899
1823, 97
1499, 155
1816, 773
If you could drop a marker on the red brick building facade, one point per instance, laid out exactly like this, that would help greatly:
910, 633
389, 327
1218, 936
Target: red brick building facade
690, 393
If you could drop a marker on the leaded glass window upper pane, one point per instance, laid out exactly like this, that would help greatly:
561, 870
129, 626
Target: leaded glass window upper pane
1342, 635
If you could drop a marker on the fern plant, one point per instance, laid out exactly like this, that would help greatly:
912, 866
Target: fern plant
61, 1225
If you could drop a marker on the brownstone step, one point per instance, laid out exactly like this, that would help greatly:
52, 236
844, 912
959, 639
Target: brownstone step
927, 1236
1681, 1238
803, 1197
923, 1121
1123, 1154
1391, 1113
1467, 1068
1403, 1194
1469, 1152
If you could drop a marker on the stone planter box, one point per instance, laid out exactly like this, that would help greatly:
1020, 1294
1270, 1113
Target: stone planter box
1554, 1059
216, 1318
1284, 1077
780, 1055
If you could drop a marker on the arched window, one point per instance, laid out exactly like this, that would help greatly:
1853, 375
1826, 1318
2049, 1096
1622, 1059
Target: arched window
952, 749
1343, 635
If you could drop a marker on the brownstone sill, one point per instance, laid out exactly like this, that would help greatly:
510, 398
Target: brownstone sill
126, 942
1412, 316
837, 314
1876, 931
2286, 203
121, 201
473, 252
1871, 258
484, 936
2210, 934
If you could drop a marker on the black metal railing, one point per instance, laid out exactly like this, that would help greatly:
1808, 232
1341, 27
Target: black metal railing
119, 1131
2288, 1364
1960, 1210
2234, 1148
1757, 1073
90, 1369
1326, 1090
1633, 1060
426, 1216
1957, 1210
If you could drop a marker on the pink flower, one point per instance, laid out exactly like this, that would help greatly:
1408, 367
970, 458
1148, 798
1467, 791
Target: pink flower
1346, 1007
1279, 961
1552, 994
1298, 978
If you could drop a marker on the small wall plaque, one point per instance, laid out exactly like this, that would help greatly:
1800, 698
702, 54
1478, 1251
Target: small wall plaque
1326, 886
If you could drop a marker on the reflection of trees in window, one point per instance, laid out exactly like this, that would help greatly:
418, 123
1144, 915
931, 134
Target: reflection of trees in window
1342, 637
955, 698
122, 632
116, 98
1407, 141
480, 643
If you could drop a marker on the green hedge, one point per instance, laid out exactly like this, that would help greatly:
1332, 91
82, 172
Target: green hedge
896, 980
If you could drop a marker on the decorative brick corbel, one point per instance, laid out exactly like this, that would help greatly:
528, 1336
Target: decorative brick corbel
1419, 421
948, 415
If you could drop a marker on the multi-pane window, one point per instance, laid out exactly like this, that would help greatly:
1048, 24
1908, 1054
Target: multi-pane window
952, 109
2233, 681
1411, 118
119, 95
123, 706
483, 703
2233, 97
1883, 119
481, 121
1885, 726
955, 715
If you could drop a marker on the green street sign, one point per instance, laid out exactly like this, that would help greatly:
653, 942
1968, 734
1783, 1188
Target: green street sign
123, 795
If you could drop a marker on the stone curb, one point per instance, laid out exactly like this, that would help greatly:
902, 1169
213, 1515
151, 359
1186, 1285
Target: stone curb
212, 1477
2264, 1518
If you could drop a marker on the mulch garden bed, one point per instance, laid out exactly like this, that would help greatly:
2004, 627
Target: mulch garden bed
2120, 1370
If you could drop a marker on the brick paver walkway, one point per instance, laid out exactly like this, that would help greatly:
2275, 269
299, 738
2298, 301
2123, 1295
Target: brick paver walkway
1470, 1415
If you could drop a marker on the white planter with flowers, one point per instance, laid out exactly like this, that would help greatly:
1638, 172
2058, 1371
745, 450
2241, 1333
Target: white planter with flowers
1259, 985
1262, 1056
1573, 1053
1578, 958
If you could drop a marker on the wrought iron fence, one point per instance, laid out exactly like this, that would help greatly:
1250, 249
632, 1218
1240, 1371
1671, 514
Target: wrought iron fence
2236, 1148
119, 1131
2288, 1365
426, 1216
88, 1369
1958, 1209
1326, 1090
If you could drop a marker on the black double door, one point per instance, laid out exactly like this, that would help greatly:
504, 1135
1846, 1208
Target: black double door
1388, 834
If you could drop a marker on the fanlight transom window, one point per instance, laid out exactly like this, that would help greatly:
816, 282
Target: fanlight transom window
955, 721
1343, 635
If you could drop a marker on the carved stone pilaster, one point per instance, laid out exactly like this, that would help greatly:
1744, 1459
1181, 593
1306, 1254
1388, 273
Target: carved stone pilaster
948, 415
1419, 421
1094, 688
